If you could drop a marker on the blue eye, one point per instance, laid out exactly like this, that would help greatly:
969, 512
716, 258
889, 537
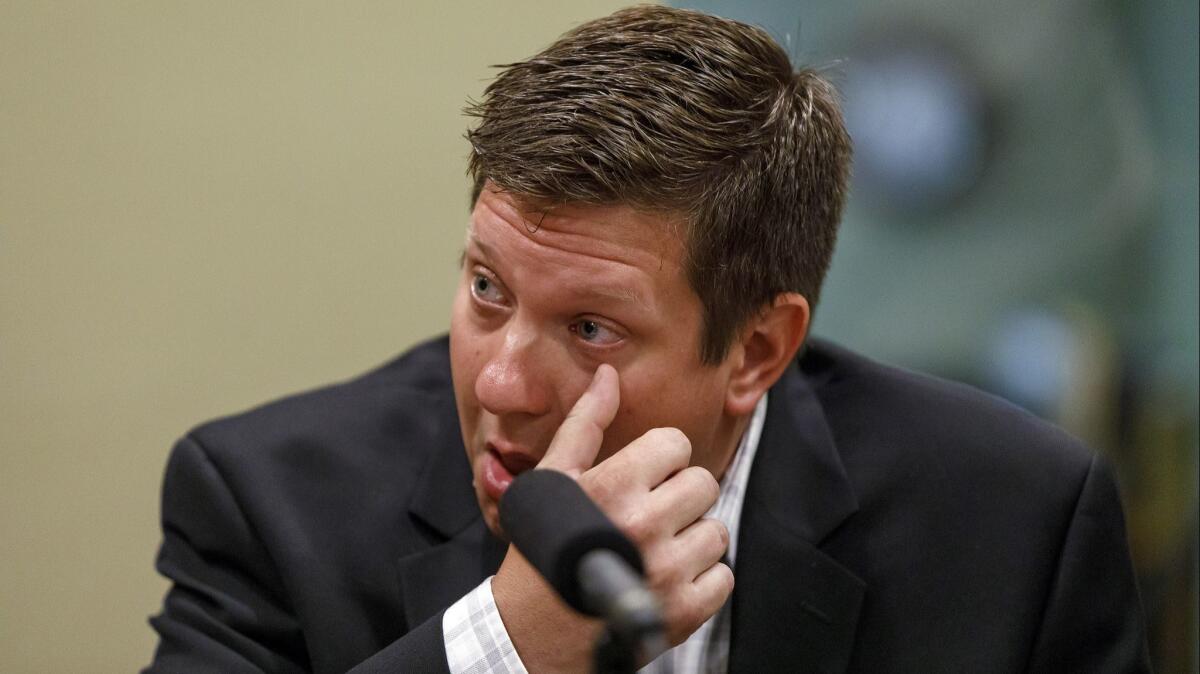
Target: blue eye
593, 332
485, 290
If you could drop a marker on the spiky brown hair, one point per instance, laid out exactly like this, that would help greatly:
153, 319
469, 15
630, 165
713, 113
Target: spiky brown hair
675, 111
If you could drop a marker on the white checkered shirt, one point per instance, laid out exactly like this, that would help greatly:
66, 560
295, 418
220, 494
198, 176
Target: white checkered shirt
477, 642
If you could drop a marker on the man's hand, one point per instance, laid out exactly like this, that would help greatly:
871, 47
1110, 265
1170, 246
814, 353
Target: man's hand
649, 491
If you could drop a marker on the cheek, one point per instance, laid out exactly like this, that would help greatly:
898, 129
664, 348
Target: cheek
689, 402
466, 359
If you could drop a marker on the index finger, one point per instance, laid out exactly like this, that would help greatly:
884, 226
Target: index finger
577, 441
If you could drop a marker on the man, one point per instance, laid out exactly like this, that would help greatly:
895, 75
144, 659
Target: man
657, 197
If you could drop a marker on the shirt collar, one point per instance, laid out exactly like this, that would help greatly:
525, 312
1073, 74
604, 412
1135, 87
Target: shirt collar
728, 508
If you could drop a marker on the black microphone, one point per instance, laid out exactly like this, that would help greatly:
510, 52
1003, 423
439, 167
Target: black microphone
581, 553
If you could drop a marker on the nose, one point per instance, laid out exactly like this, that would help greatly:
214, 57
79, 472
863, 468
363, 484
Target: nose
512, 381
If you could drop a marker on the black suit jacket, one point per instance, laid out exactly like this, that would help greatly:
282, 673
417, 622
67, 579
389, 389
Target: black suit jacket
892, 523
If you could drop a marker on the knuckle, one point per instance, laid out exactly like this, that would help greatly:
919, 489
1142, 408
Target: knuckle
704, 483
670, 437
657, 572
600, 486
721, 532
664, 562
671, 442
687, 606
669, 566
725, 575
637, 525
678, 439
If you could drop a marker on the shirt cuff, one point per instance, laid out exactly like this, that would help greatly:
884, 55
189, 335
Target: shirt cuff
475, 638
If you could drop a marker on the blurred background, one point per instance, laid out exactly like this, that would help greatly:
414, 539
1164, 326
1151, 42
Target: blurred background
1024, 218
204, 206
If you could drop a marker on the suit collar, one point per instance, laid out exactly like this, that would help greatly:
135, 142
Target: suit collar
443, 498
436, 577
794, 607
798, 477
463, 552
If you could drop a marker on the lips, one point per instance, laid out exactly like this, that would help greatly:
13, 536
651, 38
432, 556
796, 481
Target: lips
500, 467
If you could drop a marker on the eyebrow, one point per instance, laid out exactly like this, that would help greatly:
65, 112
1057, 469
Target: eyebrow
472, 239
623, 295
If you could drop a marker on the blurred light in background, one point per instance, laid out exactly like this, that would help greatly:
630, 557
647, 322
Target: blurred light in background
1030, 361
918, 120
1024, 218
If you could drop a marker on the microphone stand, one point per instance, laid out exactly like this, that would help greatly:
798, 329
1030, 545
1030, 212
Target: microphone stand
613, 654
612, 589
595, 568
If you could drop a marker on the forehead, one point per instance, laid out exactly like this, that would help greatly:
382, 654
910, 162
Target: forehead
603, 239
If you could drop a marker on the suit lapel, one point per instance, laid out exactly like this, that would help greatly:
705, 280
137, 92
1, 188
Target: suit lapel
433, 579
795, 609
464, 551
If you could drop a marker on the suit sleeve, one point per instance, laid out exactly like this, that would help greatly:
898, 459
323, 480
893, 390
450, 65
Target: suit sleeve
227, 610
1093, 619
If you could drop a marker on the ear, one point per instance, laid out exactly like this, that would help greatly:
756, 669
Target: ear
767, 346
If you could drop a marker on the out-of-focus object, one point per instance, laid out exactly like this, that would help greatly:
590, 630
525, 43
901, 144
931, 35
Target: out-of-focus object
1024, 217
1060, 363
918, 116
1002, 151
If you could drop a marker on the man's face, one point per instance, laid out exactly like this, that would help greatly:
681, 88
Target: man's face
542, 301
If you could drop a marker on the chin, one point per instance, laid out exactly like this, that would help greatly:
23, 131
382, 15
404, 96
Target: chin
491, 516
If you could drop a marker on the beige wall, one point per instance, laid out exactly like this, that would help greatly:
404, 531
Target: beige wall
202, 206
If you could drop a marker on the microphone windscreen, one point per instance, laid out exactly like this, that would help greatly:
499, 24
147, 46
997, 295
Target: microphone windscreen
550, 519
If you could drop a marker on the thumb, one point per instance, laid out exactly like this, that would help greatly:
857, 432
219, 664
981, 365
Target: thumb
577, 441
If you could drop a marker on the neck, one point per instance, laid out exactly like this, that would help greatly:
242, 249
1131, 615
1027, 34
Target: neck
724, 445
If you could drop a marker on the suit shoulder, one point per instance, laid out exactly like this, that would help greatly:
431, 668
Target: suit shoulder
916, 417
410, 395
322, 482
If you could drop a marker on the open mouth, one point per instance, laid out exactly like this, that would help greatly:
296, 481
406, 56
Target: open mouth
496, 476
499, 469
